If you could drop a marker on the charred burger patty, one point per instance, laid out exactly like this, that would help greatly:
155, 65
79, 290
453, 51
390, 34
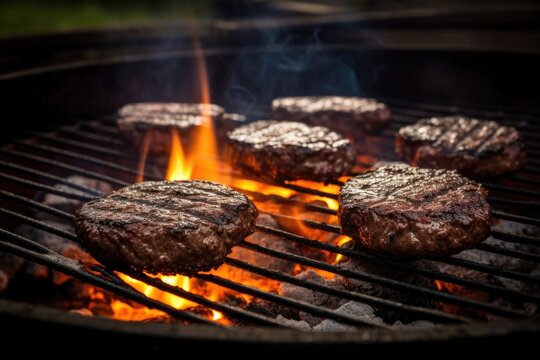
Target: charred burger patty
346, 115
166, 227
286, 150
156, 120
408, 212
475, 148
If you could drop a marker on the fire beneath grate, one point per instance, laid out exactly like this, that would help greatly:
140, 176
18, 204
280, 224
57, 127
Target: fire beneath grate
296, 271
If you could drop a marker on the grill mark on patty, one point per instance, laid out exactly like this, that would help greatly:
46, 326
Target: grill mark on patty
487, 139
152, 205
186, 192
178, 209
466, 135
449, 186
441, 135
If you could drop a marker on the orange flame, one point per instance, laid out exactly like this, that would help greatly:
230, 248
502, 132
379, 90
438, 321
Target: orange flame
178, 167
200, 160
340, 241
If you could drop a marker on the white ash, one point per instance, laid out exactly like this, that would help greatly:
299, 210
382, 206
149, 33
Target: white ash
297, 324
71, 205
420, 324
386, 292
499, 261
268, 241
82, 311
519, 228
353, 309
312, 297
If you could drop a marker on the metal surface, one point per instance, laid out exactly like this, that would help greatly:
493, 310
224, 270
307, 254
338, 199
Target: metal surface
31, 163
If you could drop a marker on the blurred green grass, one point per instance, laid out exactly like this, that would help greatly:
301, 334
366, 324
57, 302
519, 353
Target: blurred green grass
34, 16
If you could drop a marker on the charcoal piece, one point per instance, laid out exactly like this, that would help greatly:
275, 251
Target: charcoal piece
311, 296
268, 241
388, 292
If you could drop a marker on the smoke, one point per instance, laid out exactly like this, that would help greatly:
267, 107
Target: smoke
289, 64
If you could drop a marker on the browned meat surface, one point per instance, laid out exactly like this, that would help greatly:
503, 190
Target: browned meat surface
408, 212
473, 147
278, 151
351, 116
157, 119
166, 227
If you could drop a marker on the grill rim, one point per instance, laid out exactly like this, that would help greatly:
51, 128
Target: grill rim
488, 325
31, 312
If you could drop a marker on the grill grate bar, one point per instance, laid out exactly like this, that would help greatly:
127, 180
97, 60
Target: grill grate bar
517, 218
528, 204
37, 205
490, 269
229, 310
455, 261
276, 198
290, 302
40, 225
100, 126
306, 190
517, 238
514, 190
337, 230
50, 177
508, 252
76, 131
395, 284
79, 156
524, 179
235, 312
58, 164
370, 300
432, 274
47, 188
83, 145
27, 249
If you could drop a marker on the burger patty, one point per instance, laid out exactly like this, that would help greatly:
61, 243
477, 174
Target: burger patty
347, 115
137, 120
279, 151
407, 212
166, 227
473, 147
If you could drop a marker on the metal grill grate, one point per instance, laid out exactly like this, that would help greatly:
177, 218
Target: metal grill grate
95, 150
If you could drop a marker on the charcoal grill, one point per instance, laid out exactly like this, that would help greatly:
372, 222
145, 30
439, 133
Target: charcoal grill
62, 126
